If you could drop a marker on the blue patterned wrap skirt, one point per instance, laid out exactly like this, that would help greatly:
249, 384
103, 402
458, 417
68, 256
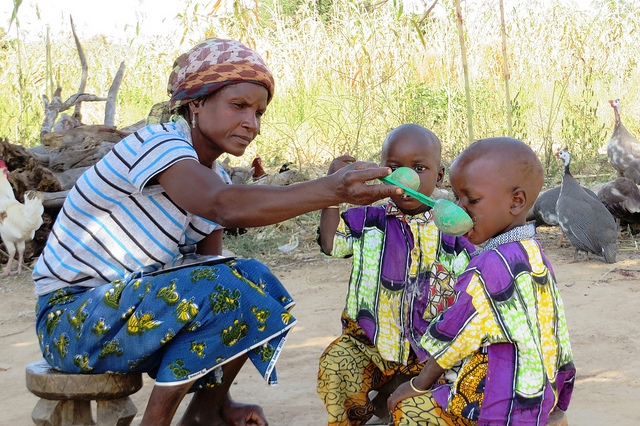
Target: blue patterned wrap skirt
178, 326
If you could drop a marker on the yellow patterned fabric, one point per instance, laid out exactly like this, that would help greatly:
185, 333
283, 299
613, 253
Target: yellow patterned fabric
212, 64
423, 410
349, 369
178, 326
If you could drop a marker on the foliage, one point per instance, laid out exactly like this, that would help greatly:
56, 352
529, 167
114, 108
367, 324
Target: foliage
348, 72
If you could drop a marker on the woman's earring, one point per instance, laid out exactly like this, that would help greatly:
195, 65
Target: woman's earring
193, 120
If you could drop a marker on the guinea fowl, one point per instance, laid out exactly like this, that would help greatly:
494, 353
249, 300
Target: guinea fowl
585, 220
544, 209
623, 149
622, 198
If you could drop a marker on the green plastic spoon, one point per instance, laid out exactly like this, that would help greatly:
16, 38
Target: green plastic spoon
448, 216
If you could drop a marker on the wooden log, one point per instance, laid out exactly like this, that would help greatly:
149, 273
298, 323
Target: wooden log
58, 140
133, 127
54, 200
64, 160
40, 154
27, 173
69, 177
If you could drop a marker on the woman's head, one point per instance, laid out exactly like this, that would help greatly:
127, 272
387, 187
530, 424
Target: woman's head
496, 180
222, 88
416, 147
212, 64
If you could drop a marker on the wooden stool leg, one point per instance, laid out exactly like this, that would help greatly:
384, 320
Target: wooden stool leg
117, 412
56, 413
46, 413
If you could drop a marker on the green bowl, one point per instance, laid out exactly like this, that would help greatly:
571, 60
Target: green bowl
448, 216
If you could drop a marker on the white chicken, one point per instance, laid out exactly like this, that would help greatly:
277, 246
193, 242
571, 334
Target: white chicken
18, 221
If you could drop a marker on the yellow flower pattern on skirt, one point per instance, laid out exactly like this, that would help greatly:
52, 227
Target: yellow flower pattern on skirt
178, 326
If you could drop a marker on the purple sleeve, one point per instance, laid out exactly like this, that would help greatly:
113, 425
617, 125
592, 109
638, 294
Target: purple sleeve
564, 383
354, 218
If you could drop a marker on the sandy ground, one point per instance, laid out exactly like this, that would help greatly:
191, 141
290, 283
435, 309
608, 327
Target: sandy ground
601, 303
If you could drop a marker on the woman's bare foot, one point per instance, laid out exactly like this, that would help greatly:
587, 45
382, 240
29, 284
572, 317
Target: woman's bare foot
239, 414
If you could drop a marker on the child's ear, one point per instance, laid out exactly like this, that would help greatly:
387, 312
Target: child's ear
518, 201
440, 177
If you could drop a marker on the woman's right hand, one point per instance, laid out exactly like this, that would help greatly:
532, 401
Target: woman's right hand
352, 183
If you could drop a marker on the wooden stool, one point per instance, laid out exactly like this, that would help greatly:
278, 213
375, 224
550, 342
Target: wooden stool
65, 399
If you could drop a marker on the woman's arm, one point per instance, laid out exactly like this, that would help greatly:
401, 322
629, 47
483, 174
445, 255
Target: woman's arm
330, 216
211, 244
199, 190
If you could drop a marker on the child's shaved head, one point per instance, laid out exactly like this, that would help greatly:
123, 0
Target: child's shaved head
514, 163
418, 148
414, 132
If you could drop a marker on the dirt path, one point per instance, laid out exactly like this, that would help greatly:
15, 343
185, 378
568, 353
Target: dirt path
601, 304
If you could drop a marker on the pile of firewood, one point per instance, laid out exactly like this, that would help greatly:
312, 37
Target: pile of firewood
67, 148
54, 168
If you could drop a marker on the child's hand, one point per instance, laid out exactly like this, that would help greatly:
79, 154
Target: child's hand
403, 391
340, 162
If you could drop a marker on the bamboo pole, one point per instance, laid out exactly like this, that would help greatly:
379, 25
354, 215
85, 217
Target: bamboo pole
507, 75
465, 70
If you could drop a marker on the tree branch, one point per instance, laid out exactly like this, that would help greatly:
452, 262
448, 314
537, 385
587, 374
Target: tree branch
110, 107
85, 69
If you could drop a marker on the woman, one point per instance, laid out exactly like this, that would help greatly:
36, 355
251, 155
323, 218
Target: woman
154, 195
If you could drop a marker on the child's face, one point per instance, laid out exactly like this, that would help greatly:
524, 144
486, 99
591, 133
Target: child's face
482, 190
421, 155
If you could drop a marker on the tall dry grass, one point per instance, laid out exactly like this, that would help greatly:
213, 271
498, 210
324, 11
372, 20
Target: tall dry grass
348, 74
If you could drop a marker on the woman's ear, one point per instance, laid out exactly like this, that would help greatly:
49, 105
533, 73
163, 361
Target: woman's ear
194, 106
518, 201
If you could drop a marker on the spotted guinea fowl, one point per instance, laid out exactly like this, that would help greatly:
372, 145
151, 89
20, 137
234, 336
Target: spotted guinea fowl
544, 212
622, 198
623, 149
585, 220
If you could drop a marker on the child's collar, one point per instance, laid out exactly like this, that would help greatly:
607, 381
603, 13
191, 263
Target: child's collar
393, 210
518, 233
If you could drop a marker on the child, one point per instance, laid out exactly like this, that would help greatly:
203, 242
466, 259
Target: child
503, 344
402, 276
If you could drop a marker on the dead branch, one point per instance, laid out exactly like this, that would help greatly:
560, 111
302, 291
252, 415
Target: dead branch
51, 110
56, 106
85, 69
110, 107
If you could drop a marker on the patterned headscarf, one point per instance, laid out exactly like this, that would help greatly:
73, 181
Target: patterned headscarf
212, 64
